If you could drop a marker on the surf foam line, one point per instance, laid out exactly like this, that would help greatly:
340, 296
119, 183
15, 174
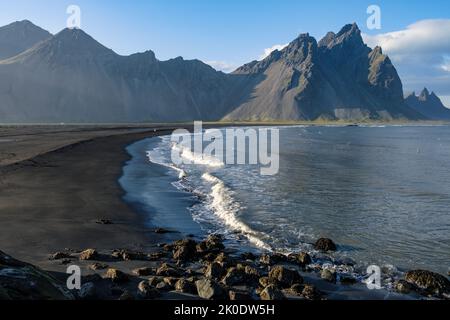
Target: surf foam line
197, 159
225, 208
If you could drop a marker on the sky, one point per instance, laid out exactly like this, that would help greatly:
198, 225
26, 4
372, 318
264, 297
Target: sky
229, 33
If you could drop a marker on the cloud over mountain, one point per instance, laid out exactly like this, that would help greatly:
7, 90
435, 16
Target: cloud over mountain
420, 53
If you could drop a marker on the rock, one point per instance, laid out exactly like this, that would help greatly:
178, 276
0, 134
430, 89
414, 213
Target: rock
153, 281
310, 292
167, 270
104, 221
147, 291
209, 289
144, 271
163, 286
185, 250
248, 256
23, 281
60, 256
252, 273
126, 296
214, 242
87, 291
184, 286
162, 231
116, 276
430, 282
224, 259
214, 270
402, 286
269, 260
328, 275
129, 255
239, 295
271, 292
296, 289
325, 244
347, 280
266, 281
98, 266
89, 254
234, 277
304, 259
284, 276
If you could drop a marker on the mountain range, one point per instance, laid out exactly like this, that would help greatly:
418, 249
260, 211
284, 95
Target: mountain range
70, 77
429, 105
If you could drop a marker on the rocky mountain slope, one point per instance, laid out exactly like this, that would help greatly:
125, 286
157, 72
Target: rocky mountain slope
72, 78
429, 105
337, 78
20, 36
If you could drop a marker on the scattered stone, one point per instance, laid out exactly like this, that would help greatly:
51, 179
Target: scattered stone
89, 254
266, 281
233, 277
163, 286
224, 259
98, 266
185, 250
310, 292
325, 244
147, 291
214, 242
296, 289
304, 259
248, 256
129, 255
214, 270
116, 276
403, 286
269, 260
167, 270
104, 221
184, 286
60, 256
209, 289
153, 281
23, 281
284, 276
87, 291
144, 271
251, 272
239, 295
271, 292
430, 282
170, 281
162, 231
328, 275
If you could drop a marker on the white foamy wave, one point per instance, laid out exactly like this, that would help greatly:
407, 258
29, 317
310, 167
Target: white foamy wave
181, 173
195, 158
225, 208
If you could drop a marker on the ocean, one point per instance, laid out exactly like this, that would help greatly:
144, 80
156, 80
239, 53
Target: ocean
382, 193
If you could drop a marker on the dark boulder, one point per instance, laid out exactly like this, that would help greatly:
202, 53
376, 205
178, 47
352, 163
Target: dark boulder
325, 244
430, 282
210, 290
271, 292
284, 276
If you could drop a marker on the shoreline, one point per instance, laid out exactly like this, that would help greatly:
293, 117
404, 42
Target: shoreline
72, 187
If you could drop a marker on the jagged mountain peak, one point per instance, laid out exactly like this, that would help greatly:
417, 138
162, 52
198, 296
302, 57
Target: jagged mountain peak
424, 94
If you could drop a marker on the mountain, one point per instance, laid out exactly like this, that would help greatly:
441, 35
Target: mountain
429, 105
70, 77
20, 36
337, 78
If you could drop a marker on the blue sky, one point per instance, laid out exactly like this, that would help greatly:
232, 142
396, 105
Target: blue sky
229, 33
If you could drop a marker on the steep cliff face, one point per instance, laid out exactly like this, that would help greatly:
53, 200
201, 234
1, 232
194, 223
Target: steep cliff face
337, 78
429, 105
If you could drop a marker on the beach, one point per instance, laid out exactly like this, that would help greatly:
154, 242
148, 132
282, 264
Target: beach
60, 194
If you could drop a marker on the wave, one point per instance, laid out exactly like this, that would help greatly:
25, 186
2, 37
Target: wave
226, 208
198, 159
181, 173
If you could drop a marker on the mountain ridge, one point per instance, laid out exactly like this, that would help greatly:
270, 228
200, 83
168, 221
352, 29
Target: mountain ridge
71, 77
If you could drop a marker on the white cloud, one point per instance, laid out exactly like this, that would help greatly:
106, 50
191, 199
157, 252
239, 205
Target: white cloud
222, 65
268, 51
420, 53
